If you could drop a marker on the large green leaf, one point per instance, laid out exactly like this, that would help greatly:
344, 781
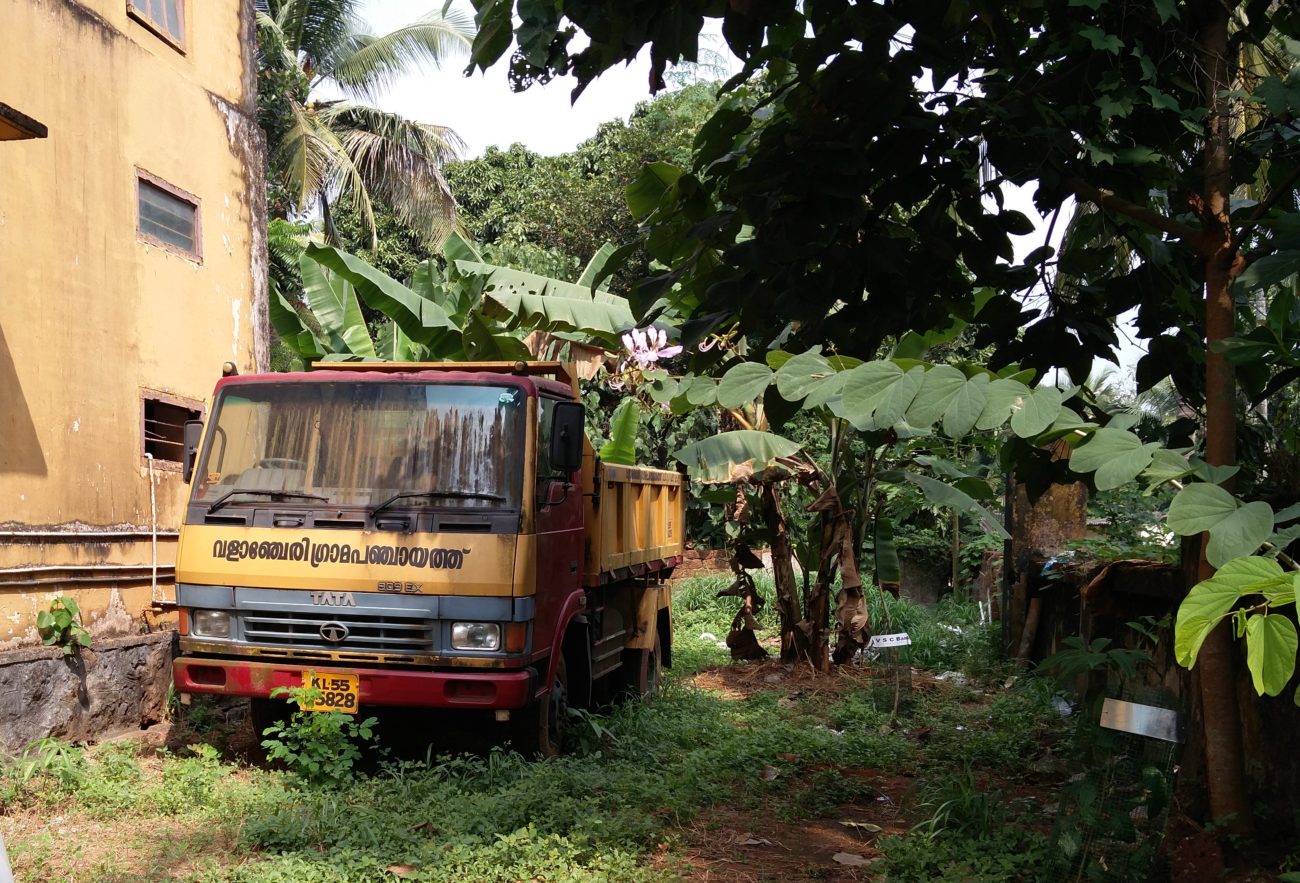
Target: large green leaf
1198, 507
1234, 529
939, 388
865, 387
736, 455
1241, 533
1035, 412
646, 190
1271, 643
334, 304
1167, 465
966, 407
797, 376
595, 268
899, 398
702, 392
743, 384
1116, 456
1211, 599
292, 330
420, 319
621, 447
887, 567
1269, 270
942, 494
391, 345
550, 304
457, 248
1005, 395
483, 343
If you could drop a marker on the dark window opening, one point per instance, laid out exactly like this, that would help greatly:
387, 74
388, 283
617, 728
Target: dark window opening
164, 429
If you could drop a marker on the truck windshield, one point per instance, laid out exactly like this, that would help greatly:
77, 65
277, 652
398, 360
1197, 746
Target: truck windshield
361, 443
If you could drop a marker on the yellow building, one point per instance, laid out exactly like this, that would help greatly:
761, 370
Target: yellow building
132, 265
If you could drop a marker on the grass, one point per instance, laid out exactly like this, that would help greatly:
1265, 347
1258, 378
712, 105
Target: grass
781, 749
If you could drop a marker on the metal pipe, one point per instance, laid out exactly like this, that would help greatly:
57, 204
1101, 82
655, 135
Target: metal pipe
83, 535
153, 532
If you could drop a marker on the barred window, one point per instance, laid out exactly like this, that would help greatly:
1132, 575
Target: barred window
164, 427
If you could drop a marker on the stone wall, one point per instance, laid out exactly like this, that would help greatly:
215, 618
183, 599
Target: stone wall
701, 562
120, 684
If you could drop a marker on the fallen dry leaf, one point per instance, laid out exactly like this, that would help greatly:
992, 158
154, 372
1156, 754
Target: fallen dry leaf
862, 826
403, 870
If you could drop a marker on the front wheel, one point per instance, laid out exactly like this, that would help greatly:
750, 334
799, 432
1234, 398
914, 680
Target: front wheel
264, 713
543, 725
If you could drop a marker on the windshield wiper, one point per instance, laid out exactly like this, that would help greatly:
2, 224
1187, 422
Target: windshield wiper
453, 495
221, 500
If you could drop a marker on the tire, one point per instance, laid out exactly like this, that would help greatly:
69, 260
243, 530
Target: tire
262, 713
645, 670
543, 725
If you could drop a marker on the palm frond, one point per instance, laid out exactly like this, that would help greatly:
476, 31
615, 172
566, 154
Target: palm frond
366, 65
400, 162
307, 155
314, 29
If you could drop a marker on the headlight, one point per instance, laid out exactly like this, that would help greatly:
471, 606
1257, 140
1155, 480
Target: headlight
210, 623
475, 636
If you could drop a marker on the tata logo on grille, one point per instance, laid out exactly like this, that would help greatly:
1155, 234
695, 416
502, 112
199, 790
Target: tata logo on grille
334, 632
333, 599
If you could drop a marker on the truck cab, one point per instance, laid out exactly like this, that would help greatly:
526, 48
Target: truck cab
422, 535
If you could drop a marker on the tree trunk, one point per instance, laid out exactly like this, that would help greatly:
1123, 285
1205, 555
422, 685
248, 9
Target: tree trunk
1225, 777
793, 641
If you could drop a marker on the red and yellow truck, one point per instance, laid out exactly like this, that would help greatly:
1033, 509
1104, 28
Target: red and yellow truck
436, 535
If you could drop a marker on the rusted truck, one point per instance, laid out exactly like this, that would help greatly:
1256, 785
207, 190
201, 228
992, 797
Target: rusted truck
436, 535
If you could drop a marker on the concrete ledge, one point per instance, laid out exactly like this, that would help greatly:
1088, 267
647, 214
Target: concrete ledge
119, 684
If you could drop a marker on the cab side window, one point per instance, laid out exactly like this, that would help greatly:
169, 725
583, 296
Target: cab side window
545, 416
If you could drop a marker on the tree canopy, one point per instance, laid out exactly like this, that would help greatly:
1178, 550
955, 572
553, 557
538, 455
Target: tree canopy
322, 148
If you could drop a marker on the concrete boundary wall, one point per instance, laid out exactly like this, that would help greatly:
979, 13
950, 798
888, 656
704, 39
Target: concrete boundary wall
120, 684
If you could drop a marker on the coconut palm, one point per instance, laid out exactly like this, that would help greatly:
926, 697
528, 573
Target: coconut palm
322, 148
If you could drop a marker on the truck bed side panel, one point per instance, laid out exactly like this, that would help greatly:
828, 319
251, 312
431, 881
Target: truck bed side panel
634, 522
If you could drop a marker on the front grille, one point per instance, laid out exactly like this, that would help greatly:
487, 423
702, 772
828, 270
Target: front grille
365, 633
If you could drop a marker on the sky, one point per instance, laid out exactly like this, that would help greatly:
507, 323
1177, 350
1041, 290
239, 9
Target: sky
484, 111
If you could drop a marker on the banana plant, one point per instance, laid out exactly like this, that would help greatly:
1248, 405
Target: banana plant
471, 310
907, 398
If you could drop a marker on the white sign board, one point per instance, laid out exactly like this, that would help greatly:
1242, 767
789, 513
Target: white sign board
877, 642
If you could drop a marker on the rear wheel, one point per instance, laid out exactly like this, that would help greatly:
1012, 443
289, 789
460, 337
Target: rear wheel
645, 670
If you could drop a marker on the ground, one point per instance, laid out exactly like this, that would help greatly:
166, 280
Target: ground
907, 769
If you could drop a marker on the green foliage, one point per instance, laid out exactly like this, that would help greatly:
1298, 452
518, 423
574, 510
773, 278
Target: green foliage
60, 626
1235, 529
320, 746
319, 150
621, 447
470, 311
562, 209
1081, 657
1270, 638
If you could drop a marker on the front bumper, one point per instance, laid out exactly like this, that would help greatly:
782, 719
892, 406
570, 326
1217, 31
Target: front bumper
412, 689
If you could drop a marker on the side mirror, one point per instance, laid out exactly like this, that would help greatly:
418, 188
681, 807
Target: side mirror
193, 435
567, 427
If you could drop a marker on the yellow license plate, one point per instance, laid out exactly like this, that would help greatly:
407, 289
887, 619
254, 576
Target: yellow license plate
338, 692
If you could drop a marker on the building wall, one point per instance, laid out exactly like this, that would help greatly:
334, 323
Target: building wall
92, 317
